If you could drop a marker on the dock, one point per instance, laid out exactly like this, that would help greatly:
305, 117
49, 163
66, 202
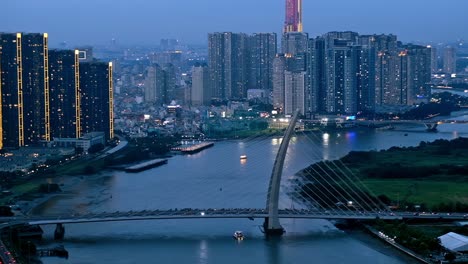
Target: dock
146, 165
193, 148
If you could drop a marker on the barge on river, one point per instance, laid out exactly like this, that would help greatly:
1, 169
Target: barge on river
146, 165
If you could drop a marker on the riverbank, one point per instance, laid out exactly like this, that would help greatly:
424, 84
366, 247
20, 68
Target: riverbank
377, 244
391, 242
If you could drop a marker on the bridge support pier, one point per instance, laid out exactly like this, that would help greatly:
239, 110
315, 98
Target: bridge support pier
59, 233
275, 230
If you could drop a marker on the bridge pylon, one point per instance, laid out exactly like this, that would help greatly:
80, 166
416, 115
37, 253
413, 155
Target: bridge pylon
271, 225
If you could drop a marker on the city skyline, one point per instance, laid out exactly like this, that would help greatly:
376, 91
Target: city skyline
136, 22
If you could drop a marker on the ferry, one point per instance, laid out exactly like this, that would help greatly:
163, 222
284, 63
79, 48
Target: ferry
238, 236
243, 157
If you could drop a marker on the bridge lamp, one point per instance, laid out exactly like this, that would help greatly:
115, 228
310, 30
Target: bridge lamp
202, 213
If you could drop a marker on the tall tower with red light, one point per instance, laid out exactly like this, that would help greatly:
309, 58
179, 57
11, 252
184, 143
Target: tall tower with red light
293, 21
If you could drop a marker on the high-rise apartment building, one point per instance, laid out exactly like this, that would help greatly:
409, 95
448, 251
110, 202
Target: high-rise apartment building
35, 85
387, 91
228, 58
65, 105
97, 98
263, 50
10, 91
434, 60
450, 60
294, 92
279, 68
340, 71
200, 93
170, 79
25, 89
293, 19
294, 43
41, 93
419, 73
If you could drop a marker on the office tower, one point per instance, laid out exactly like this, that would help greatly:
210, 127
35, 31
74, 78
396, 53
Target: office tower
228, 58
294, 43
64, 94
154, 85
279, 68
263, 51
200, 94
419, 73
97, 98
450, 60
293, 20
25, 89
294, 92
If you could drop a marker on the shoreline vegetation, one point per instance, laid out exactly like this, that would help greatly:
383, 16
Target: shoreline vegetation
431, 177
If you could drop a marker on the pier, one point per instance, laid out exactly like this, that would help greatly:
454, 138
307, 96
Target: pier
193, 148
146, 165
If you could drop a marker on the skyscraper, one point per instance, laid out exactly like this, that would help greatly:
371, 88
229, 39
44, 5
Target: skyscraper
10, 90
228, 61
294, 92
263, 51
294, 43
293, 20
279, 67
64, 94
200, 94
169, 90
419, 73
40, 93
97, 98
450, 60
25, 89
387, 91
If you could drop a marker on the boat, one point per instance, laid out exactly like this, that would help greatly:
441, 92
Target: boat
243, 157
238, 236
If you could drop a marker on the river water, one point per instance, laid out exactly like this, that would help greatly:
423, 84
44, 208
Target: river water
217, 178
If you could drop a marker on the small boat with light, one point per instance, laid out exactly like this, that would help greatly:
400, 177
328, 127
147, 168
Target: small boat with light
238, 235
243, 157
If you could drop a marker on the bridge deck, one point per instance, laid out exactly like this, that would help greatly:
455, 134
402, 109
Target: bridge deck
226, 213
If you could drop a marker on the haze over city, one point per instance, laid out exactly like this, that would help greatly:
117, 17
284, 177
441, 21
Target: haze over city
183, 131
145, 22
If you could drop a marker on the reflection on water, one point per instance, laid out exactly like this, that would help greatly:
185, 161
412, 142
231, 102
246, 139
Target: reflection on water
215, 178
203, 252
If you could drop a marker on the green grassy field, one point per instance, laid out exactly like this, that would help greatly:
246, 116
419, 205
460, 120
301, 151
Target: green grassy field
432, 174
419, 191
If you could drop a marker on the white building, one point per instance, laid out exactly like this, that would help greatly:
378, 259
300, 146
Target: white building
454, 242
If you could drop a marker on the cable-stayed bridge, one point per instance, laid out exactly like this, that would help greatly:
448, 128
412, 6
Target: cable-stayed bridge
331, 192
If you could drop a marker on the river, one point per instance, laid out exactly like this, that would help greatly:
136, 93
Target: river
217, 178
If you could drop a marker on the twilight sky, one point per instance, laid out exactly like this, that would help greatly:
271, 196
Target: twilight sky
146, 21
